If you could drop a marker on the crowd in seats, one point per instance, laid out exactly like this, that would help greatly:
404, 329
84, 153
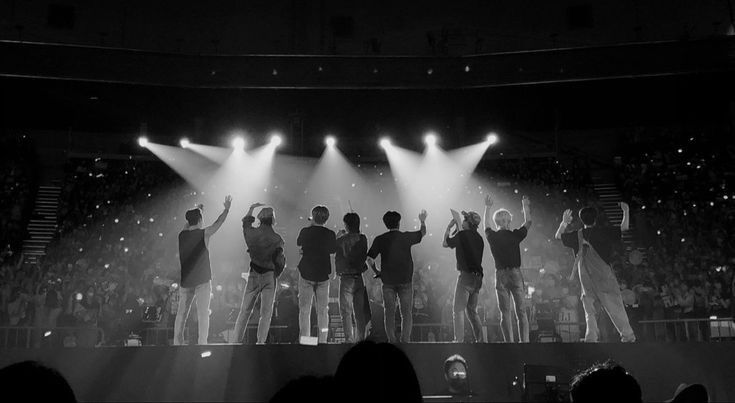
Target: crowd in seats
682, 187
18, 178
115, 260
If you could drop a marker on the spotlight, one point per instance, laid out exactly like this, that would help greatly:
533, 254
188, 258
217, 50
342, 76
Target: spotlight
330, 141
276, 140
385, 142
238, 143
184, 143
143, 141
206, 354
430, 139
492, 138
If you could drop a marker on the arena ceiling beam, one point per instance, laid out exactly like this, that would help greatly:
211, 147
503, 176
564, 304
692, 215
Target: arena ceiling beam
110, 65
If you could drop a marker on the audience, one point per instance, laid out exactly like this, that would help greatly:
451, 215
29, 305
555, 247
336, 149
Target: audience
31, 381
115, 239
605, 383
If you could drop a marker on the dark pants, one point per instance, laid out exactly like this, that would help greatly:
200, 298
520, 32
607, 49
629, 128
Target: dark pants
353, 303
404, 293
466, 294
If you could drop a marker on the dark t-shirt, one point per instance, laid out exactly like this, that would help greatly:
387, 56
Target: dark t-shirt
316, 243
505, 246
351, 254
394, 248
194, 257
603, 239
468, 245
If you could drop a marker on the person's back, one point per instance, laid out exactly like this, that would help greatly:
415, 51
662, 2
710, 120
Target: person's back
351, 253
395, 255
317, 243
32, 381
194, 258
377, 372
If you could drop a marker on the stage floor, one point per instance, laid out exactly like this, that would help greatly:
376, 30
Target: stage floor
254, 373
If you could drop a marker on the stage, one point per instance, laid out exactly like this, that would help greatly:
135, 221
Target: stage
254, 373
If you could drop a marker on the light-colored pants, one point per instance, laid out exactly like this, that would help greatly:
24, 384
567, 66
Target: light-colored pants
203, 294
466, 295
263, 285
612, 303
307, 291
353, 303
509, 284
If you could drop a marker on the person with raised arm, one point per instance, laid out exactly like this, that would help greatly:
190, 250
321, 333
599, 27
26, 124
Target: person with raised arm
196, 271
267, 261
396, 272
506, 250
468, 245
593, 247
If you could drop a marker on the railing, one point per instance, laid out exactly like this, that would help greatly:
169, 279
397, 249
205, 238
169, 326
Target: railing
163, 336
28, 337
676, 330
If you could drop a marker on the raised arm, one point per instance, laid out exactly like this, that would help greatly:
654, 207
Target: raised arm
422, 217
625, 224
448, 232
565, 221
487, 217
526, 203
212, 229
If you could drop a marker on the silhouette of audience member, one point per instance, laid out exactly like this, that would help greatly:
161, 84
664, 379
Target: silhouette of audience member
605, 383
377, 372
307, 389
31, 381
694, 393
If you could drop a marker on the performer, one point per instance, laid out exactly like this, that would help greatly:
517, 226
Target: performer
394, 249
196, 273
267, 261
506, 251
350, 264
468, 244
317, 242
593, 247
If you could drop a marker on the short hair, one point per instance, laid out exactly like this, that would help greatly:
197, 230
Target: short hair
33, 381
605, 382
320, 214
194, 216
352, 222
392, 219
588, 215
500, 214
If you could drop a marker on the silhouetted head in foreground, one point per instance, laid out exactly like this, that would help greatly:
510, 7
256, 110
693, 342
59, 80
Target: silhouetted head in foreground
605, 383
695, 393
307, 389
31, 381
377, 372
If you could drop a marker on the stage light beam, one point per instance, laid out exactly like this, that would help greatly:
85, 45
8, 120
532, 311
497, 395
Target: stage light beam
330, 141
143, 141
184, 143
492, 138
430, 139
